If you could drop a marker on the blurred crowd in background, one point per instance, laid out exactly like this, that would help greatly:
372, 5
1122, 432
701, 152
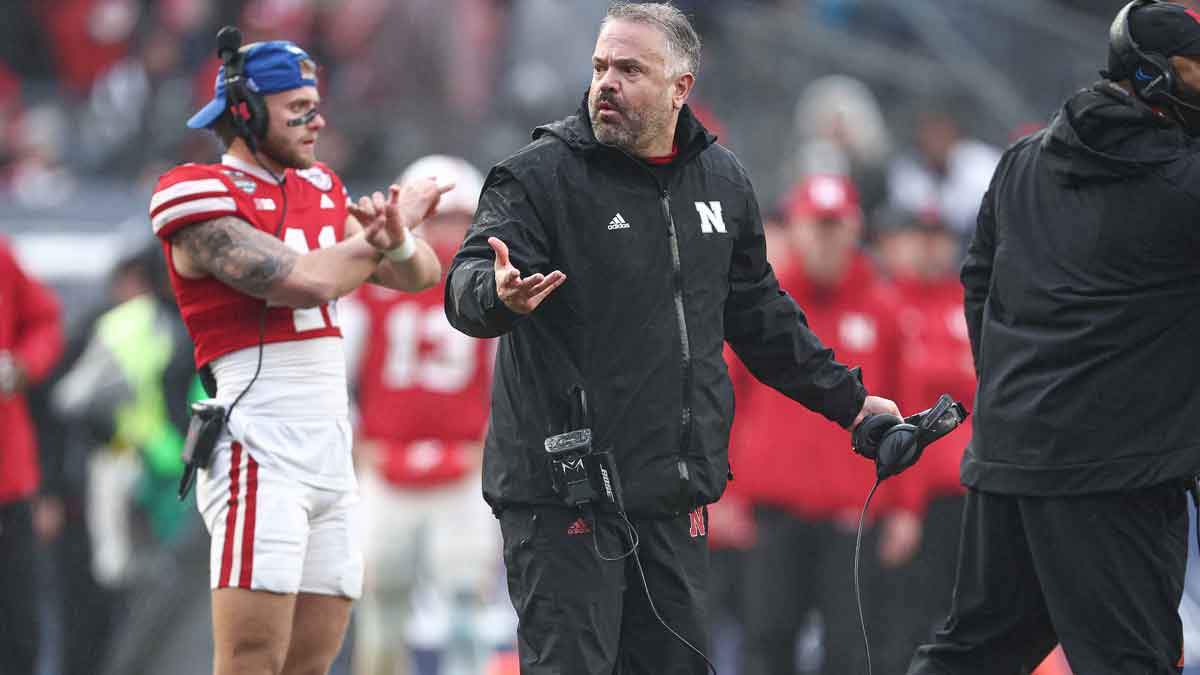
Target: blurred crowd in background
870, 127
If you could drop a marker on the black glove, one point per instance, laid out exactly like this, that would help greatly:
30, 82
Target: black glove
897, 444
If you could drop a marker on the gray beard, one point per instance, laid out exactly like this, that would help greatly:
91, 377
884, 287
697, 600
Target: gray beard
637, 133
621, 136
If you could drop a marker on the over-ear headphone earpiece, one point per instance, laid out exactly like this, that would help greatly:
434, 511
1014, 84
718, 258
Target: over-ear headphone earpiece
1155, 79
1151, 74
247, 109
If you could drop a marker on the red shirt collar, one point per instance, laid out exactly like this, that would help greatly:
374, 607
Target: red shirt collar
665, 159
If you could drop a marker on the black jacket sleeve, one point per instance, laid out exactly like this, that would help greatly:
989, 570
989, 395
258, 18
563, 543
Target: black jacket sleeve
504, 212
769, 332
977, 267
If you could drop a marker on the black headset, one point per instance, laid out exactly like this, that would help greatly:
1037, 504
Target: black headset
248, 112
1151, 74
247, 109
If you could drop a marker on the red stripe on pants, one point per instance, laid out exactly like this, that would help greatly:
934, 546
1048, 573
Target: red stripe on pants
230, 516
248, 521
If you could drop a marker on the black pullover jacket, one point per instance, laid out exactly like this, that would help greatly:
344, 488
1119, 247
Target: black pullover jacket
663, 265
1083, 305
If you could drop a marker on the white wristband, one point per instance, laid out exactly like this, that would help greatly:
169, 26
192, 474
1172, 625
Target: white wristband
404, 251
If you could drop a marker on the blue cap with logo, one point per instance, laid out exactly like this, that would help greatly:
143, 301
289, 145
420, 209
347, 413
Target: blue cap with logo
268, 68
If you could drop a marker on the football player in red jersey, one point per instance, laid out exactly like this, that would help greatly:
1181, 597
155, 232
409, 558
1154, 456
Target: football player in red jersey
431, 544
259, 247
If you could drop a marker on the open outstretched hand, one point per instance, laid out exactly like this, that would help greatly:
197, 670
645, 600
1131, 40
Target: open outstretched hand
521, 295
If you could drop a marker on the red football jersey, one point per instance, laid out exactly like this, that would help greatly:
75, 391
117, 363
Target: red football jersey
423, 387
219, 318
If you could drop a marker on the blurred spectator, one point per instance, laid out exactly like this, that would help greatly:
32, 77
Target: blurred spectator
87, 609
30, 344
150, 378
805, 485
841, 130
900, 240
946, 172
921, 255
87, 37
133, 110
37, 176
130, 386
125, 395
430, 543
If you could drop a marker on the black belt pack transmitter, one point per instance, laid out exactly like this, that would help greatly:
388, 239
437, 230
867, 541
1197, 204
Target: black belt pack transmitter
581, 475
204, 428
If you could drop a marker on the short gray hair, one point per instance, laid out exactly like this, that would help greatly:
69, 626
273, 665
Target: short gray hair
682, 41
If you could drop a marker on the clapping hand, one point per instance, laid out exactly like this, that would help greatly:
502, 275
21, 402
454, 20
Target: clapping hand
386, 221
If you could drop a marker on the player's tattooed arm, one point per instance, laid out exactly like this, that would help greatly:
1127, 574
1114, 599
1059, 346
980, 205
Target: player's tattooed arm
238, 254
257, 264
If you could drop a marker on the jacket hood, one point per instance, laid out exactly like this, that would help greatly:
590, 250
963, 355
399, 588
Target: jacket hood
1103, 134
576, 131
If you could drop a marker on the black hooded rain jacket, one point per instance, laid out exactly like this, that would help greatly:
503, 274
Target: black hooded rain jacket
663, 265
1083, 304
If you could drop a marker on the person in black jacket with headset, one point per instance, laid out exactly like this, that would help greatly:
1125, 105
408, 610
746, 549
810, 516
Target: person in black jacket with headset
616, 254
1083, 306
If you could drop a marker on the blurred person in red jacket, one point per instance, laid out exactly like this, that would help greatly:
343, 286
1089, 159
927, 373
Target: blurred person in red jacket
87, 38
731, 530
805, 488
431, 545
30, 344
920, 253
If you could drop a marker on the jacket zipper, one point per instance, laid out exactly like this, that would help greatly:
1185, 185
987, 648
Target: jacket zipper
685, 346
685, 421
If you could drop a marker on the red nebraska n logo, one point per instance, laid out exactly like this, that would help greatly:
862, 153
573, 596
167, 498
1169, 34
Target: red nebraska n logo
698, 528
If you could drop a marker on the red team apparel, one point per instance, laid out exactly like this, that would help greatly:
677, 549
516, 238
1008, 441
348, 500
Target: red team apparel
279, 498
936, 359
423, 387
794, 459
219, 318
31, 330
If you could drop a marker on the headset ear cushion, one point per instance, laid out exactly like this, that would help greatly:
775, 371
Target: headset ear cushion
249, 112
1163, 77
870, 433
898, 450
259, 116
